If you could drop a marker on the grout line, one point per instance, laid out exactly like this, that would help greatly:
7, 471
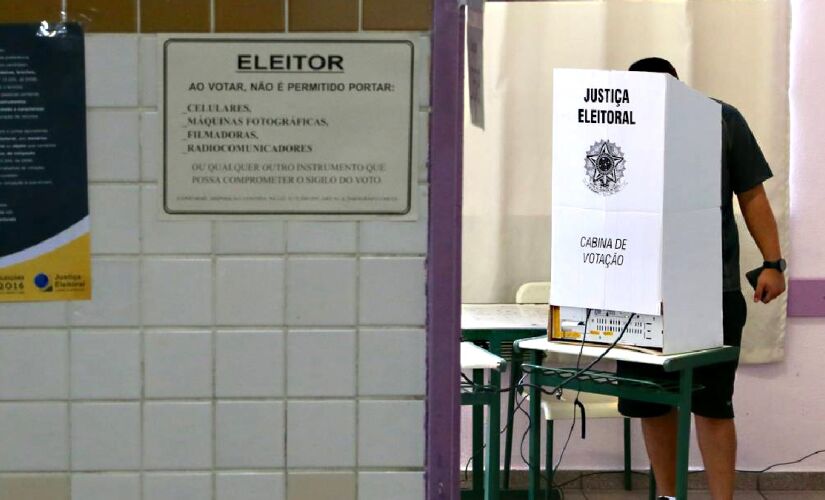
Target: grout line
357, 369
202, 328
142, 331
303, 256
207, 399
214, 341
70, 403
207, 471
285, 346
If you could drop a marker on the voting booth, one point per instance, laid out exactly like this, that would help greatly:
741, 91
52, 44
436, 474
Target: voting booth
636, 196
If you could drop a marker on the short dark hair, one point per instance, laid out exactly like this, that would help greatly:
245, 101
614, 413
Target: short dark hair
654, 65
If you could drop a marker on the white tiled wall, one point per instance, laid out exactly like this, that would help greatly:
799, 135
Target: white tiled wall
216, 359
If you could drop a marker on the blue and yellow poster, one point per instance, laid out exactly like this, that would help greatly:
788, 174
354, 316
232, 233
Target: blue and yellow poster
44, 207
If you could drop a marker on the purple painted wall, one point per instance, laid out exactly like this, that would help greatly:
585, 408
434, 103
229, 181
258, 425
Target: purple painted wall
444, 253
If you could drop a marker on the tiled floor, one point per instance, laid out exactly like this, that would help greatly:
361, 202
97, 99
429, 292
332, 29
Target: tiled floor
694, 495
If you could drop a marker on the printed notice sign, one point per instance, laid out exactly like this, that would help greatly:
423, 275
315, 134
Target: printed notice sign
44, 208
288, 126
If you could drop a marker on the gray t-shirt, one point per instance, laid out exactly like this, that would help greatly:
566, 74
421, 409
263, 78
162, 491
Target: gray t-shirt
743, 167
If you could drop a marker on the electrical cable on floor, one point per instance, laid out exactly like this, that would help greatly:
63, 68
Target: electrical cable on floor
646, 474
766, 469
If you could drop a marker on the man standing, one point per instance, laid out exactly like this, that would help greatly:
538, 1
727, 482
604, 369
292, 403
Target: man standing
744, 169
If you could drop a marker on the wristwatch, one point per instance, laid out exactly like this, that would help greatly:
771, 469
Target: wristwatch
780, 265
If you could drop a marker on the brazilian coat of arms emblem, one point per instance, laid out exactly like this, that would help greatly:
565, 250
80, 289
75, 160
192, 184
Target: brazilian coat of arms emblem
605, 166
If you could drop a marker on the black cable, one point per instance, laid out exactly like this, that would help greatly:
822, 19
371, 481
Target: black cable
578, 392
483, 447
556, 390
599, 357
766, 469
521, 446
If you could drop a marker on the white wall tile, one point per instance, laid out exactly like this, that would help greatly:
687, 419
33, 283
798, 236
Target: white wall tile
177, 291
250, 486
34, 437
391, 433
249, 364
333, 351
115, 219
395, 485
33, 314
105, 436
148, 46
151, 138
33, 364
250, 434
321, 433
111, 70
105, 364
391, 237
250, 291
177, 436
178, 364
118, 486
321, 237
321, 292
254, 237
338, 485
115, 295
113, 145
392, 291
172, 237
392, 363
177, 487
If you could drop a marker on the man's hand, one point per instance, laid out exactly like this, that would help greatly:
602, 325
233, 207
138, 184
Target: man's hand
762, 225
770, 285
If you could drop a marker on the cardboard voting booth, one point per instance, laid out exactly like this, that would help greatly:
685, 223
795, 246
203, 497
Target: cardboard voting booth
636, 196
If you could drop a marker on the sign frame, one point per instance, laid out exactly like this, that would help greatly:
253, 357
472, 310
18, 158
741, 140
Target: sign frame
413, 139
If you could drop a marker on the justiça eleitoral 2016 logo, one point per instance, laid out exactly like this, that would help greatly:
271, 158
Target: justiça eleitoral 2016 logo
605, 168
43, 283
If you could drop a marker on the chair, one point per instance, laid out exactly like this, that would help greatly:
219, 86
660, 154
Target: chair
596, 405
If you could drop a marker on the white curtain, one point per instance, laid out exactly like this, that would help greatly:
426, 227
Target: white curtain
734, 50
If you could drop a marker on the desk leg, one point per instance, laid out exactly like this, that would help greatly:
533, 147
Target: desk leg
535, 433
491, 489
515, 374
478, 439
683, 435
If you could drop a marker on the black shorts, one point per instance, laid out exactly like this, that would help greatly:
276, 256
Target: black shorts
715, 400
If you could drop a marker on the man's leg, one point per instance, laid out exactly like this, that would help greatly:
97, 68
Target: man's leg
660, 441
717, 441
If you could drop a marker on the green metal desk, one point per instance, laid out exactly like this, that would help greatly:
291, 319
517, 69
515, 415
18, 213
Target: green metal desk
478, 395
671, 393
499, 326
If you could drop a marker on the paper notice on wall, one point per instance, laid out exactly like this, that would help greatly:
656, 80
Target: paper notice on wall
44, 208
475, 60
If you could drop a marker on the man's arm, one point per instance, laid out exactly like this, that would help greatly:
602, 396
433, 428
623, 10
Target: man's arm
756, 209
